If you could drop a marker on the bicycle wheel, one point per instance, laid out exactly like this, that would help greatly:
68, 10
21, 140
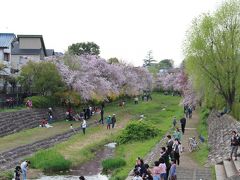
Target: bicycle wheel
190, 147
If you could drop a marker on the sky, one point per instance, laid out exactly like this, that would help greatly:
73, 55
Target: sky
126, 29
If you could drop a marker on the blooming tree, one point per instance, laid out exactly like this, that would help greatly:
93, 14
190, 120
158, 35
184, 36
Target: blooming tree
93, 78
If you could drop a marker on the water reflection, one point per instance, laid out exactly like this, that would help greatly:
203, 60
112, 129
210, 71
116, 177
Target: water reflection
66, 177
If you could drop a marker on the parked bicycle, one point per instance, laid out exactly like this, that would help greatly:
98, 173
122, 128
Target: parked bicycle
193, 144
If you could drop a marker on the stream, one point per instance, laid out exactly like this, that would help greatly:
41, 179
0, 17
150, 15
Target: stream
91, 170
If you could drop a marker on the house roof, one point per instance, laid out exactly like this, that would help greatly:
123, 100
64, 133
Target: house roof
50, 52
6, 39
17, 51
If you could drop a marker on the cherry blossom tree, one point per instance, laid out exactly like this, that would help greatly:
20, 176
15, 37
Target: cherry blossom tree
93, 78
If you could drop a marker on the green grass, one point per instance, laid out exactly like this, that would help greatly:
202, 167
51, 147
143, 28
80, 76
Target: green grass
112, 163
49, 161
79, 148
201, 155
31, 135
6, 175
155, 115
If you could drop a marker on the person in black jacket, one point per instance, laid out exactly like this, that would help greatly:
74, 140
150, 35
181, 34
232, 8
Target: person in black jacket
183, 124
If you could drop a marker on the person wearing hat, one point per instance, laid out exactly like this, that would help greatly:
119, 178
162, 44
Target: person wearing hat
113, 120
108, 121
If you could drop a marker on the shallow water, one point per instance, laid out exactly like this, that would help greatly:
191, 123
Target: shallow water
90, 170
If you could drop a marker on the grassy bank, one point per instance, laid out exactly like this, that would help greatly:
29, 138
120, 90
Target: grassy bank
79, 148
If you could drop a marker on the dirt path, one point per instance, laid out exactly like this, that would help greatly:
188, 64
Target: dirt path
189, 169
190, 131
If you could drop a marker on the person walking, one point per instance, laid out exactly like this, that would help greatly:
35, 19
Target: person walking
156, 171
84, 126
113, 120
163, 169
234, 145
177, 134
24, 166
183, 124
108, 121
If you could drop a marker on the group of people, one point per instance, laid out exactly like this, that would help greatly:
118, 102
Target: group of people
165, 167
162, 169
22, 169
188, 109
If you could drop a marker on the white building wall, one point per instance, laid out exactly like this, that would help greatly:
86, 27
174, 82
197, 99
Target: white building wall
17, 61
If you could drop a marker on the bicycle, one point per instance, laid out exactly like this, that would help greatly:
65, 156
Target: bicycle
193, 144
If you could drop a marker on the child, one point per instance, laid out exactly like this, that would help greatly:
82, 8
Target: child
71, 127
17, 173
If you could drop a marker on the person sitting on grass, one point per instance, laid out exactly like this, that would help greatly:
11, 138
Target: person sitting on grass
43, 122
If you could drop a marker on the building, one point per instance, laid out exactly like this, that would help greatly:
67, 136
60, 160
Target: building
26, 48
6, 42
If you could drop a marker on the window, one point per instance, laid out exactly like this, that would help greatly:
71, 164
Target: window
6, 56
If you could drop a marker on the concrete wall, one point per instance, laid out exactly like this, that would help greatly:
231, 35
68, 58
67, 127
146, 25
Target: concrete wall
17, 61
30, 43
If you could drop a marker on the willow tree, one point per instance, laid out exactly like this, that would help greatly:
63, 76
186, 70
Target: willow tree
212, 51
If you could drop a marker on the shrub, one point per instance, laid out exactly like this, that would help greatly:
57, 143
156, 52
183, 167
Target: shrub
49, 161
137, 131
6, 175
112, 163
42, 101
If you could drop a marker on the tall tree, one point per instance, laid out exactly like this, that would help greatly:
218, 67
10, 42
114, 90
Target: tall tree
149, 59
40, 77
212, 51
166, 64
84, 48
113, 60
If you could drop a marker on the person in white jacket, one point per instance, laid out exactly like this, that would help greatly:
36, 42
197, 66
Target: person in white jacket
84, 125
24, 166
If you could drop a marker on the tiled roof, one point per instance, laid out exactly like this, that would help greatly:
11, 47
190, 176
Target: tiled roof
6, 39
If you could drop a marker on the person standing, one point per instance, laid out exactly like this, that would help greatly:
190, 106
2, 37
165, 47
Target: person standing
177, 134
156, 171
183, 124
234, 145
174, 121
173, 170
24, 166
176, 153
169, 144
84, 126
108, 121
102, 113
113, 120
50, 115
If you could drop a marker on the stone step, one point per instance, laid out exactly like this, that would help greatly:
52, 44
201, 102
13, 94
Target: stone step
220, 172
229, 168
237, 165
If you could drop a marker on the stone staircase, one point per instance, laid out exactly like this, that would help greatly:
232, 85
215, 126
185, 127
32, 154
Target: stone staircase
11, 122
193, 174
220, 129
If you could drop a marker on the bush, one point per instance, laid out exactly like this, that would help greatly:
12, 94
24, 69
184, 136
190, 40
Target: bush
42, 101
49, 161
112, 163
137, 131
6, 175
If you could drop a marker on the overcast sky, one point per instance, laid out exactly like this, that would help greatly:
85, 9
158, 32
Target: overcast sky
125, 29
